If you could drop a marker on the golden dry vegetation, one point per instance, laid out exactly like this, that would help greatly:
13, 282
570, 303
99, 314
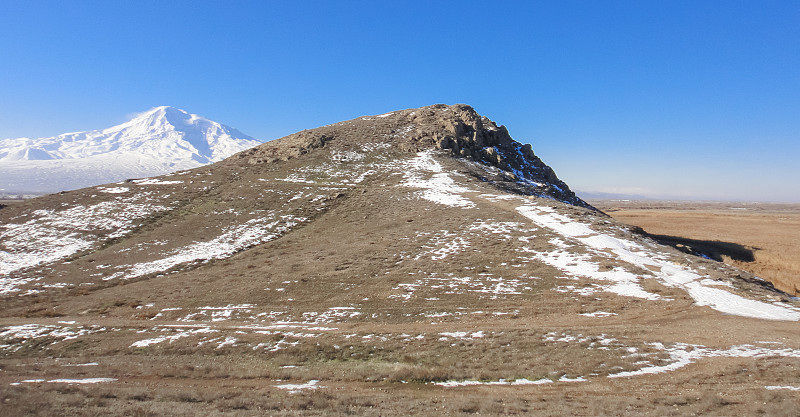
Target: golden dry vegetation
760, 238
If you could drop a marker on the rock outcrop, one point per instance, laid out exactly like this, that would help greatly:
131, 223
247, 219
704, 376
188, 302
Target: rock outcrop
457, 129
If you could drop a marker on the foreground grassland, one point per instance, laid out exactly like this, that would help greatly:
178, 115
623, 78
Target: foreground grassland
760, 238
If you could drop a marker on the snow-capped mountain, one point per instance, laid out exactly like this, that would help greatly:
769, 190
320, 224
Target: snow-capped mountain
158, 141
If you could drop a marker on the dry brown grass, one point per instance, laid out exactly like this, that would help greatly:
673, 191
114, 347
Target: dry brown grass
683, 396
770, 232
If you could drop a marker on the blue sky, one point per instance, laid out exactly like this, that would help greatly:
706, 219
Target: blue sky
689, 99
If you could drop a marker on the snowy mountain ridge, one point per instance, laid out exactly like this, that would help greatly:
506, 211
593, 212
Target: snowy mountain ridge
162, 132
158, 141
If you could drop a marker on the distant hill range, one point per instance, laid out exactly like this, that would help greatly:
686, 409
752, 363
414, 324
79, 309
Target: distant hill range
597, 195
159, 141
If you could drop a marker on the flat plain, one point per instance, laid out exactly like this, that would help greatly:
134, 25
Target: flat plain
761, 238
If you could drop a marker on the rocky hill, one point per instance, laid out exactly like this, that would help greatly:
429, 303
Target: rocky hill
419, 261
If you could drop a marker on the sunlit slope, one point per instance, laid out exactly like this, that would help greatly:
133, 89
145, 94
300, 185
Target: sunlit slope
418, 247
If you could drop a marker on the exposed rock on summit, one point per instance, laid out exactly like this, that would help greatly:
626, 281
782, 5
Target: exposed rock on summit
457, 129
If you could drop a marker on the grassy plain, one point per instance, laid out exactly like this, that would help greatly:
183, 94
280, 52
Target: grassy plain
760, 238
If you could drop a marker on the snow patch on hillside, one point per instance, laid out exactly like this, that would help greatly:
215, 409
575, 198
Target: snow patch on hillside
50, 235
232, 240
66, 381
17, 337
439, 187
179, 334
682, 354
626, 282
296, 388
519, 381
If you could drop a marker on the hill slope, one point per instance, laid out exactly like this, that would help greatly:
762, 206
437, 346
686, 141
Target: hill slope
161, 140
421, 252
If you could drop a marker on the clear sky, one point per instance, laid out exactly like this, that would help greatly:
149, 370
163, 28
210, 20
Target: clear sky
692, 99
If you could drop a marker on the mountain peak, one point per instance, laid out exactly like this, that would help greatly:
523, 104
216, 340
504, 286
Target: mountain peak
157, 141
159, 110
162, 116
167, 108
457, 130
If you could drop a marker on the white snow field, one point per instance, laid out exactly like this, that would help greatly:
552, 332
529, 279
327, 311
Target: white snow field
156, 142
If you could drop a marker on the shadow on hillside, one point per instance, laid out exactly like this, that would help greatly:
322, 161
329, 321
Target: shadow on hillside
713, 249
